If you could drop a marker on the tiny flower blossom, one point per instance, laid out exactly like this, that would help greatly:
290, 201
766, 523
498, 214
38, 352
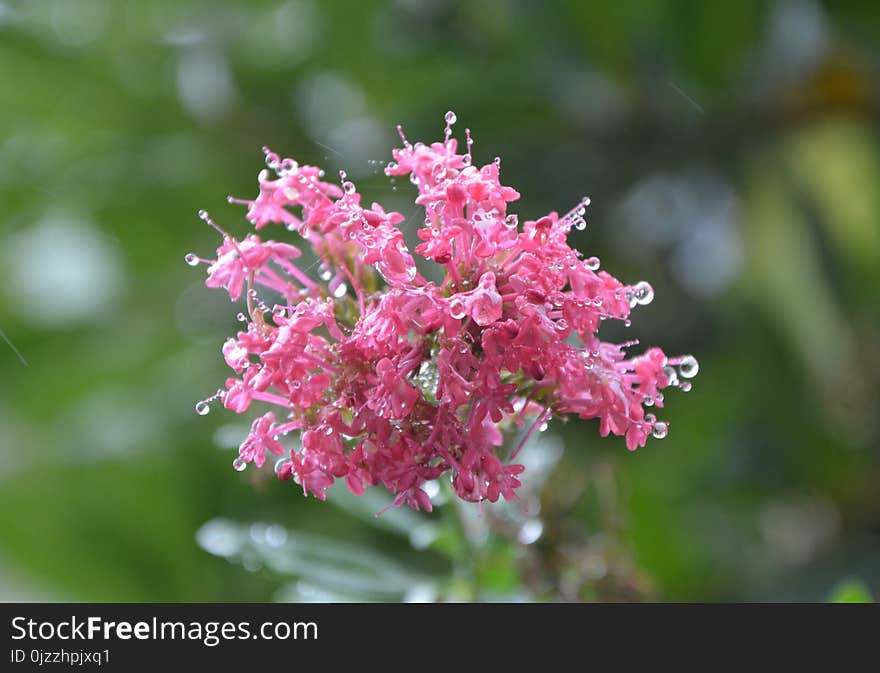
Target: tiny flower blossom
392, 379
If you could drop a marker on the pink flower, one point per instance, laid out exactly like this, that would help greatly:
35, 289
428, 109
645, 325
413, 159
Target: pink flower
261, 438
394, 380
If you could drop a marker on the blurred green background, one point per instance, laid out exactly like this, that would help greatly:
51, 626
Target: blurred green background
732, 154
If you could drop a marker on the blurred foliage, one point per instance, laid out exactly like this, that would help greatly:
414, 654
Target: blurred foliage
733, 158
851, 591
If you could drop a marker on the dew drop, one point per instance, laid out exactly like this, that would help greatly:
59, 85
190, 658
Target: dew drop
348, 187
660, 430
272, 160
457, 309
671, 375
451, 117
643, 293
241, 317
592, 263
340, 290
649, 401
689, 367
203, 408
191, 258
239, 465
279, 465
289, 167
512, 221
686, 386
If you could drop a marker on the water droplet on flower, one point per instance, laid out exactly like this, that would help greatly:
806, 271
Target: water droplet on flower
324, 273
689, 367
671, 375
241, 317
592, 263
239, 465
203, 408
561, 325
660, 430
340, 290
451, 117
627, 323
192, 259
686, 386
348, 187
580, 224
466, 159
649, 401
512, 221
328, 430
643, 293
272, 160
543, 427
289, 167
279, 465
263, 175
457, 309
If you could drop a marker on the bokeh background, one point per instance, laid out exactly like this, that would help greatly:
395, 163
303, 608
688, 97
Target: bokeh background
732, 154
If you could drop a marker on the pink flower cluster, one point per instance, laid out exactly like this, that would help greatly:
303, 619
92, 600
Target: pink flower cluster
394, 379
